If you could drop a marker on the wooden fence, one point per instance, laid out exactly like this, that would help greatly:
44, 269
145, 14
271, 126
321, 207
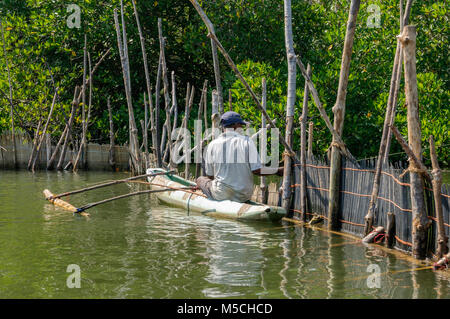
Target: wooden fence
356, 187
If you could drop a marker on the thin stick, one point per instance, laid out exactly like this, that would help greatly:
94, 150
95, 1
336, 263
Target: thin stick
111, 138
38, 149
62, 156
437, 184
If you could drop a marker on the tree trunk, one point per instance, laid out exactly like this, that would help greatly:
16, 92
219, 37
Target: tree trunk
339, 113
420, 220
263, 141
198, 136
290, 104
303, 119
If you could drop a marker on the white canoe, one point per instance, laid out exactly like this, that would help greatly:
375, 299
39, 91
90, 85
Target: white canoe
196, 201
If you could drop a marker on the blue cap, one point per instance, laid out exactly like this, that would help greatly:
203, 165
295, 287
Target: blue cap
230, 118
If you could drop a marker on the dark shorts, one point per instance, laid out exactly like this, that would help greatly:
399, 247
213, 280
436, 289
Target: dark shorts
204, 183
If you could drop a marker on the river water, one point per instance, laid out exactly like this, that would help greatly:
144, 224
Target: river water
136, 248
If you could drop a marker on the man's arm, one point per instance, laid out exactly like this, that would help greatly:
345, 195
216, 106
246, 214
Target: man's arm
264, 171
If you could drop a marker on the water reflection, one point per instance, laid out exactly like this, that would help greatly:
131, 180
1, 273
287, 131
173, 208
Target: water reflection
136, 248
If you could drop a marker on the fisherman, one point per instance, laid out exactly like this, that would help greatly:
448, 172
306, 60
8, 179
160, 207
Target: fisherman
231, 160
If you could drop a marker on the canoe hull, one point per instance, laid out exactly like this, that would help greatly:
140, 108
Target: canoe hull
196, 202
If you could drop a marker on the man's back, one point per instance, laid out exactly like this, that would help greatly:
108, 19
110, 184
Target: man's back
231, 158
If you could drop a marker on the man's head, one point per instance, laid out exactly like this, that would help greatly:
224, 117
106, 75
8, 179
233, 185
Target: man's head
232, 119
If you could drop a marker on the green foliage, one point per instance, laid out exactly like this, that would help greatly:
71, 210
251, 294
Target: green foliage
44, 53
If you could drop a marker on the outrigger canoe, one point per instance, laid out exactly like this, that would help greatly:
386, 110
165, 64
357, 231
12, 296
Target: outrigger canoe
196, 201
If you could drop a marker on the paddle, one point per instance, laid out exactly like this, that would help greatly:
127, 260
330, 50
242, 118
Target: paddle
106, 184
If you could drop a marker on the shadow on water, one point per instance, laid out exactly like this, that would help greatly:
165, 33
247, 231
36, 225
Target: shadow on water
136, 248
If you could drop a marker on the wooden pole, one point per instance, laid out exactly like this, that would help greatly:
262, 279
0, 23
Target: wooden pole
385, 138
186, 127
35, 142
75, 104
404, 18
230, 101
81, 152
166, 88
263, 140
173, 110
390, 229
339, 113
215, 116
111, 159
38, 148
290, 104
303, 120
420, 220
123, 52
149, 92
437, 184
105, 184
198, 164
13, 132
310, 139
217, 75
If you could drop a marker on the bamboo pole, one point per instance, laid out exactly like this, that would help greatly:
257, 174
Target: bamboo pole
290, 104
80, 152
111, 157
198, 164
13, 131
310, 139
38, 148
215, 117
437, 185
166, 88
149, 92
385, 138
186, 127
263, 140
217, 75
339, 113
147, 82
303, 120
174, 111
75, 104
35, 142
420, 221
123, 52
404, 18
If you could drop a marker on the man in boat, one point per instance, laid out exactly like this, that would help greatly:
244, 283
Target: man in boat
231, 160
